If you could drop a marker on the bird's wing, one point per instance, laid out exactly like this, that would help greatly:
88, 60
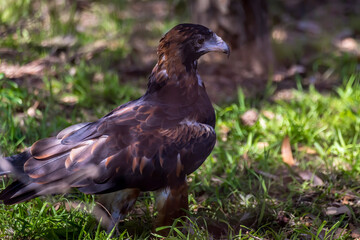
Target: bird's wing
136, 145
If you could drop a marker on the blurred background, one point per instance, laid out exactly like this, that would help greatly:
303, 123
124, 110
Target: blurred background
272, 42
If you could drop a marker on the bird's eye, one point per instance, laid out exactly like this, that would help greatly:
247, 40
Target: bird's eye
200, 41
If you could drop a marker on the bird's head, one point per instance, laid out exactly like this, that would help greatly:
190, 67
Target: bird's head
189, 42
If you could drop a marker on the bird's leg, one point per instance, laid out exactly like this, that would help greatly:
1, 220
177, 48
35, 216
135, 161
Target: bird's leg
116, 205
171, 203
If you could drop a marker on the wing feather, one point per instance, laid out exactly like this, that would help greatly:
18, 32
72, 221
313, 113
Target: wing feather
35, 168
70, 129
136, 145
84, 133
49, 147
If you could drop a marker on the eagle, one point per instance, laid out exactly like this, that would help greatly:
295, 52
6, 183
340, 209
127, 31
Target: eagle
149, 144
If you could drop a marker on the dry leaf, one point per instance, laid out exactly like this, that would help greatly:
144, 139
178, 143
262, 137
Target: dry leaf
268, 114
348, 199
349, 45
291, 72
355, 232
285, 95
34, 68
224, 131
250, 117
309, 176
286, 152
307, 150
217, 181
268, 175
60, 41
69, 99
338, 210
340, 232
32, 110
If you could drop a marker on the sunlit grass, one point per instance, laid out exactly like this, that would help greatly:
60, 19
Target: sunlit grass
233, 193
244, 190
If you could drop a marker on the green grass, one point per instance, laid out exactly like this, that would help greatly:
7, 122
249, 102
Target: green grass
244, 190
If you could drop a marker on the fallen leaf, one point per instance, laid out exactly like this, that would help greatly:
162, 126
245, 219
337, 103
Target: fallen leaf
60, 41
340, 232
349, 45
268, 114
348, 199
224, 131
34, 68
250, 117
217, 180
286, 152
307, 150
295, 69
69, 99
291, 72
285, 95
32, 110
310, 176
355, 232
268, 175
338, 210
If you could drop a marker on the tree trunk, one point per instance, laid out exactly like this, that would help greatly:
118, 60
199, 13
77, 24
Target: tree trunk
244, 25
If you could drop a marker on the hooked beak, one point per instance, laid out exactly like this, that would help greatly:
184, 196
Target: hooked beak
215, 44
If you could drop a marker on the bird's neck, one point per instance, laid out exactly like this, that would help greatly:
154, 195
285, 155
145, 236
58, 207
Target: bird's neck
172, 83
173, 73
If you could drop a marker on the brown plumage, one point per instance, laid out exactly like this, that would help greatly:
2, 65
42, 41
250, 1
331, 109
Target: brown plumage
148, 144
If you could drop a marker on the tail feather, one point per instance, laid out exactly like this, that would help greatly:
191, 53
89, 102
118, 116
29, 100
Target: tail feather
56, 180
17, 192
14, 164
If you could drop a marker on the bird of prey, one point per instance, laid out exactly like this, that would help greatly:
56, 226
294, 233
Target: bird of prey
149, 144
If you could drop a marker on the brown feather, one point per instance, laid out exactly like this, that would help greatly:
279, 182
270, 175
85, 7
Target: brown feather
147, 144
48, 147
38, 168
70, 129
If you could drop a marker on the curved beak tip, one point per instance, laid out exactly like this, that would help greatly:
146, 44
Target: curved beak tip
215, 44
220, 45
